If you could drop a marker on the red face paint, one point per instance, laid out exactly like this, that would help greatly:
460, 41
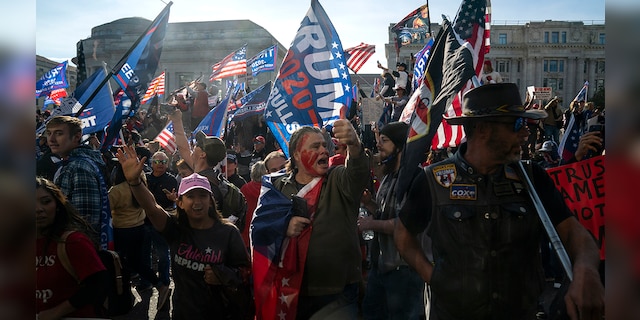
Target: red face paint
309, 155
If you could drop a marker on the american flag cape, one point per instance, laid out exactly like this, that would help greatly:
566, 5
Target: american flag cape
313, 85
167, 139
452, 63
234, 64
156, 87
571, 138
358, 55
278, 260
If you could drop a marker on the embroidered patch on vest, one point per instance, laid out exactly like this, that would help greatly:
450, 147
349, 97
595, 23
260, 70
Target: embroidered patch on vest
463, 192
445, 174
509, 173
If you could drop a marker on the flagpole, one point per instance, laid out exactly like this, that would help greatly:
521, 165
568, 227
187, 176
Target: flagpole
121, 62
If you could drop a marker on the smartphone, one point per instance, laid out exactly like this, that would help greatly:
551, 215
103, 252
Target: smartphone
299, 207
596, 128
600, 129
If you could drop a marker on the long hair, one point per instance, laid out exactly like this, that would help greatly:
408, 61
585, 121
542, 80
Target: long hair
293, 145
67, 217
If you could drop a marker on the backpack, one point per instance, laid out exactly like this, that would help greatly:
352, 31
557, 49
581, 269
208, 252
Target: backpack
119, 300
233, 201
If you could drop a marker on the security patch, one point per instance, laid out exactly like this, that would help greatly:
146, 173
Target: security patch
445, 174
463, 192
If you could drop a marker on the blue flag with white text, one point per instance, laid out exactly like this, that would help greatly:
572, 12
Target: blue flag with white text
123, 111
56, 78
98, 113
265, 60
212, 124
313, 86
254, 103
135, 71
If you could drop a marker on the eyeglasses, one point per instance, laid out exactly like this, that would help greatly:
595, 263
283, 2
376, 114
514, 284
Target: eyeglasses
517, 125
159, 161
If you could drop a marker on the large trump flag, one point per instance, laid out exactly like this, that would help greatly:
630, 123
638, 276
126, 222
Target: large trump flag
313, 86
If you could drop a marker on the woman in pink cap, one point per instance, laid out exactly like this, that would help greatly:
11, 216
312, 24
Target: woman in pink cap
208, 255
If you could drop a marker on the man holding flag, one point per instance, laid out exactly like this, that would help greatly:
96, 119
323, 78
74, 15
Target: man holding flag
485, 232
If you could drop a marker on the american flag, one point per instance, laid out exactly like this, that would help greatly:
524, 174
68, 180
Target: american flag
376, 87
167, 139
233, 64
570, 140
156, 87
453, 63
358, 55
475, 31
571, 137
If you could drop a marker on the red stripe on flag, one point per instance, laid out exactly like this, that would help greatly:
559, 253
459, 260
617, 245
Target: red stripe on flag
233, 64
156, 87
358, 55
167, 139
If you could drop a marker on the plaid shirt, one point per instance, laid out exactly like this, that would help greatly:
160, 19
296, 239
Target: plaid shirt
79, 181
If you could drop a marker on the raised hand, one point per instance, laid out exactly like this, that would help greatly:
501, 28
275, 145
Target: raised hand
131, 165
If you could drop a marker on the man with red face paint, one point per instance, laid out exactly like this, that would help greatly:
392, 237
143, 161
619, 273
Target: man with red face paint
332, 270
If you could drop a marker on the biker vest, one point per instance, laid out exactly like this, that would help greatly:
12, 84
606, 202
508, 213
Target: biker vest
486, 236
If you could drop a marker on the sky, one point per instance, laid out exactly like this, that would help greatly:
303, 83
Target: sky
60, 24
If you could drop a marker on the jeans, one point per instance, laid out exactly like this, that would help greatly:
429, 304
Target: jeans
129, 243
552, 132
335, 306
397, 294
154, 241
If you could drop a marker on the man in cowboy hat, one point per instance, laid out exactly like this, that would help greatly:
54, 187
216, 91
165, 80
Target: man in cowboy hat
485, 231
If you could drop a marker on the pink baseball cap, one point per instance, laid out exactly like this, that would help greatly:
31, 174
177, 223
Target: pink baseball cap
194, 181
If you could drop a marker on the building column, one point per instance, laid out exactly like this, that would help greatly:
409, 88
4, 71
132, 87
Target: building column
538, 72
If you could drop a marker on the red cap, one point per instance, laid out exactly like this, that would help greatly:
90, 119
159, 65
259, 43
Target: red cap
259, 139
487, 62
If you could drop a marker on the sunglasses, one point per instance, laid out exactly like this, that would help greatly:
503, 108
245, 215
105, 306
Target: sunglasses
517, 125
159, 161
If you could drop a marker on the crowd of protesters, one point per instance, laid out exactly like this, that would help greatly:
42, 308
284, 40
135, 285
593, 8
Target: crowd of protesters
186, 217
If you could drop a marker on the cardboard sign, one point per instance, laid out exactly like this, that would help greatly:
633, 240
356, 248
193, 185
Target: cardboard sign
542, 93
582, 187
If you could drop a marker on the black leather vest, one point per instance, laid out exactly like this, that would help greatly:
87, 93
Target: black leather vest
486, 237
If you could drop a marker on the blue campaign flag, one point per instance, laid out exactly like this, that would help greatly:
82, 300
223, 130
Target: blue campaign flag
99, 111
123, 110
56, 78
253, 103
212, 123
313, 85
421, 63
264, 61
137, 68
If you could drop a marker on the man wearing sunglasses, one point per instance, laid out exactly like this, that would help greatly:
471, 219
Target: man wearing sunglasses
485, 231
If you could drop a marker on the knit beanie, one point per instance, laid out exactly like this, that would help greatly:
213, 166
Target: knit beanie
397, 133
